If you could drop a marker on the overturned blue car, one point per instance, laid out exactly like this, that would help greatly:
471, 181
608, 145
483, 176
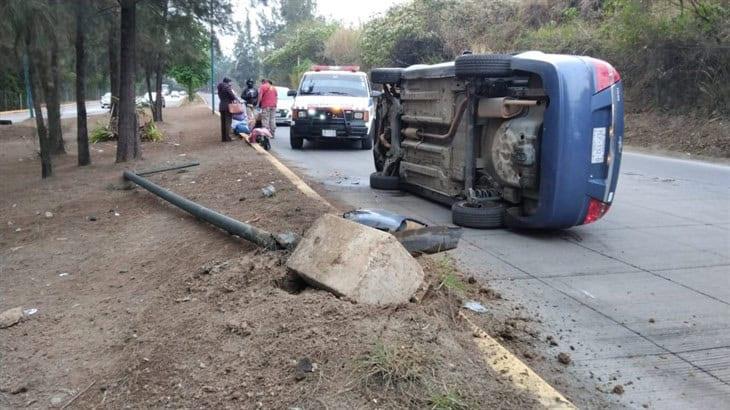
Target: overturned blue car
530, 140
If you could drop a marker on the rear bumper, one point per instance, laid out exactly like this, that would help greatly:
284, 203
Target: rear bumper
569, 174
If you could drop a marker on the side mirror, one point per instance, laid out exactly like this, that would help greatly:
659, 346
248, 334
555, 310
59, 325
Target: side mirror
376, 94
291, 93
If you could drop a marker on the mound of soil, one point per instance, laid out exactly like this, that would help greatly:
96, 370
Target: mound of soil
680, 133
141, 306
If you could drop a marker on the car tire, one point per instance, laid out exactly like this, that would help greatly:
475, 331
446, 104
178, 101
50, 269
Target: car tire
384, 182
487, 215
483, 65
386, 75
367, 141
296, 142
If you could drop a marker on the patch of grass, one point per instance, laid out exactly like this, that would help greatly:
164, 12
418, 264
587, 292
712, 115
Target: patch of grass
448, 400
449, 279
152, 133
100, 133
389, 367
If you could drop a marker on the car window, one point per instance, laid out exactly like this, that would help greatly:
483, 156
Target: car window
334, 84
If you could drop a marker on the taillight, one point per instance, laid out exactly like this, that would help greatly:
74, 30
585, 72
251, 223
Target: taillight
605, 75
596, 209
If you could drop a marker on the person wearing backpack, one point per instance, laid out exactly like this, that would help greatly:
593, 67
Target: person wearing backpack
250, 94
267, 103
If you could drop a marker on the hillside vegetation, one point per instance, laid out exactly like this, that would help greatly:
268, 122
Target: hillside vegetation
673, 55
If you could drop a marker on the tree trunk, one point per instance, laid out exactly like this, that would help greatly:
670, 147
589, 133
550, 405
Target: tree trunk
44, 140
128, 143
82, 134
113, 50
157, 111
34, 65
148, 82
53, 97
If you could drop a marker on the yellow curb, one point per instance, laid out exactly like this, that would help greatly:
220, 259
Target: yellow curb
503, 362
291, 176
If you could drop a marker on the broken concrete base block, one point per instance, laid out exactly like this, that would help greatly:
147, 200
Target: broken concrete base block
356, 261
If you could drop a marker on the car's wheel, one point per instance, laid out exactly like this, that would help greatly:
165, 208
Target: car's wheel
386, 75
485, 215
295, 141
367, 141
384, 182
378, 158
480, 65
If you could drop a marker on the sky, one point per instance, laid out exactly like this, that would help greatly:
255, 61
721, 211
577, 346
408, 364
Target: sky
347, 12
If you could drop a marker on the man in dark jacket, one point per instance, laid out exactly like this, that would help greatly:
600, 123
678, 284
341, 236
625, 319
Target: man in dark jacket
250, 95
225, 96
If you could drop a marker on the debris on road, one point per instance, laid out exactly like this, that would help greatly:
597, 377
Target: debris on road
429, 240
11, 317
564, 358
416, 236
29, 312
304, 366
618, 389
474, 306
355, 261
48, 214
268, 191
381, 219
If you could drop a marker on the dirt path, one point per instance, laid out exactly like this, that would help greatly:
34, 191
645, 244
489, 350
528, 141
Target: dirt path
140, 305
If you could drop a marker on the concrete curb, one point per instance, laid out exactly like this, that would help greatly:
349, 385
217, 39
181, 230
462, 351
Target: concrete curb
503, 362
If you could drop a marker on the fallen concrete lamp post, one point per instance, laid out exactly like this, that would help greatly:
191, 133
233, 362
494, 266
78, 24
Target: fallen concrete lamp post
228, 224
349, 259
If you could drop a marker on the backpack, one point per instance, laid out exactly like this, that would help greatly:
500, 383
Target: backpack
250, 95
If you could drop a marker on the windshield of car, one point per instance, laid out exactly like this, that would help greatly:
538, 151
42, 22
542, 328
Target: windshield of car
334, 84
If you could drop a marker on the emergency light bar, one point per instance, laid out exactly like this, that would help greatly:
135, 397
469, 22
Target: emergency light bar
352, 68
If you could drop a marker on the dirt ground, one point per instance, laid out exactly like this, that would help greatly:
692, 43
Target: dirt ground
141, 306
685, 135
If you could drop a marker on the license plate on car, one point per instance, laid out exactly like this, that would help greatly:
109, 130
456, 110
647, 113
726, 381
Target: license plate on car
329, 133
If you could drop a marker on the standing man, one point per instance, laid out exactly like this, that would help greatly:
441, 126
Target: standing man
250, 95
267, 103
225, 97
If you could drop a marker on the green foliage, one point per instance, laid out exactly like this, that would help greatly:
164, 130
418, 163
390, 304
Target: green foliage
247, 62
406, 34
192, 75
301, 42
449, 279
100, 134
150, 132
390, 367
447, 401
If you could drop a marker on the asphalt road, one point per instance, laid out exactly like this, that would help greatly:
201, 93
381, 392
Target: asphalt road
643, 295
69, 110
